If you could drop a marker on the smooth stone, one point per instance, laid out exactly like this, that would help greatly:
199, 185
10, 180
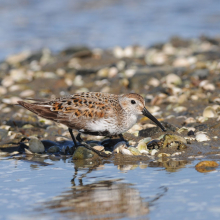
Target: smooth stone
134, 151
3, 134
35, 145
82, 153
53, 149
209, 112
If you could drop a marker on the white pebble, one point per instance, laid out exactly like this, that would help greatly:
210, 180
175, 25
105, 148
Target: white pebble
153, 152
35, 145
200, 137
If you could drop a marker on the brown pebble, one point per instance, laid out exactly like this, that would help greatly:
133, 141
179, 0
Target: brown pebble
206, 166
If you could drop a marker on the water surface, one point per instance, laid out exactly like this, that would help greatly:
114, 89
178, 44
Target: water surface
32, 25
102, 190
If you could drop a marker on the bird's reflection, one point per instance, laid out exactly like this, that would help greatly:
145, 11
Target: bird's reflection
107, 199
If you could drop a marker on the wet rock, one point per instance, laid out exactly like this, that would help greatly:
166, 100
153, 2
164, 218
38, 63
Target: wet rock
201, 127
169, 126
206, 166
48, 143
98, 148
169, 139
35, 145
154, 144
117, 148
190, 133
148, 132
3, 134
82, 153
53, 149
110, 143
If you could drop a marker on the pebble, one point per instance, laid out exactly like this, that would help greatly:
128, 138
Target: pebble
206, 166
99, 148
176, 154
27, 93
3, 134
53, 149
173, 79
200, 137
17, 58
82, 153
78, 81
163, 155
7, 81
180, 109
134, 151
14, 153
118, 146
142, 144
209, 112
153, 152
3, 90
28, 151
13, 100
125, 151
35, 145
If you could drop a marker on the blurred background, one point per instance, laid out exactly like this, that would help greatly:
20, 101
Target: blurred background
55, 24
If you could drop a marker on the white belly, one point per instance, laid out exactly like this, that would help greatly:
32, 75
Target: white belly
102, 125
110, 125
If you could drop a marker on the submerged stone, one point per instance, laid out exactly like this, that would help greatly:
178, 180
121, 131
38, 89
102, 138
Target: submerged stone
53, 149
82, 153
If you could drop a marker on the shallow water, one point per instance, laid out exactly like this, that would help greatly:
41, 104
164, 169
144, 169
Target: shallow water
66, 190
27, 24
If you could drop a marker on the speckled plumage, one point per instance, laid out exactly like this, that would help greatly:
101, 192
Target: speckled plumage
93, 112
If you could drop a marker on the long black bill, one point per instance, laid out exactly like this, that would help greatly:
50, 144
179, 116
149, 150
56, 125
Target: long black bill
152, 118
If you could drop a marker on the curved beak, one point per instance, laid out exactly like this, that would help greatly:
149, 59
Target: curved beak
146, 113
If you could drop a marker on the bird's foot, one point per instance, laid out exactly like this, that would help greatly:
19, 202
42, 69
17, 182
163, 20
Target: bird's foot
78, 138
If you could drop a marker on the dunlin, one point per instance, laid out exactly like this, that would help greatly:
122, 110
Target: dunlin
93, 113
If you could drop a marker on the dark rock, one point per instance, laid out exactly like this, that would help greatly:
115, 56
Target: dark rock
201, 127
201, 74
169, 126
190, 133
149, 132
154, 144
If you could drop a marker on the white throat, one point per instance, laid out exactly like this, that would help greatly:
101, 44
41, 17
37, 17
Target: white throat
130, 122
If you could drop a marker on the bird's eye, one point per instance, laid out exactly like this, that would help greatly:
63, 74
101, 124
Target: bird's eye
133, 102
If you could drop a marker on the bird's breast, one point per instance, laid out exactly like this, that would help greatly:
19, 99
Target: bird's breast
102, 125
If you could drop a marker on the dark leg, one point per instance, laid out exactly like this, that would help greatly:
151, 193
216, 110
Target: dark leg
78, 138
73, 138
